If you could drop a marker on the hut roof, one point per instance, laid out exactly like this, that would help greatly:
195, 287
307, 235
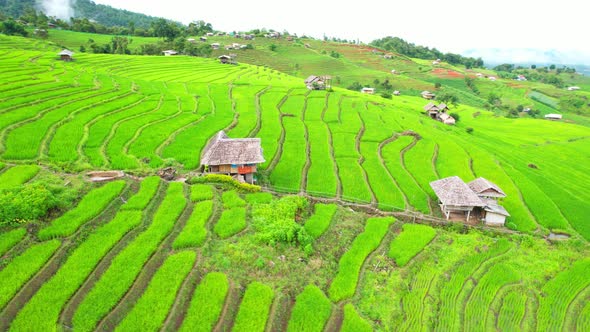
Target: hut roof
485, 187
453, 191
442, 106
430, 107
222, 150
311, 79
66, 52
495, 208
224, 57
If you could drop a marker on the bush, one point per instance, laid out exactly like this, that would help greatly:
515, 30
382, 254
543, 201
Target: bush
30, 202
225, 179
275, 222
386, 95
260, 198
469, 130
455, 116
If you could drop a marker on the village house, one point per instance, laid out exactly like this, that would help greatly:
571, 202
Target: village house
388, 56
520, 78
477, 199
237, 157
436, 62
191, 40
169, 52
369, 91
66, 55
427, 95
209, 34
492, 78
396, 93
553, 116
479, 75
318, 82
393, 71
439, 112
248, 37
573, 88
215, 46
203, 39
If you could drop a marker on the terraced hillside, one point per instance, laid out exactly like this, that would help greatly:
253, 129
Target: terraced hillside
152, 258
141, 113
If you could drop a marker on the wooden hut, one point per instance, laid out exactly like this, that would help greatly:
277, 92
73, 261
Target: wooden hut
225, 59
369, 91
169, 52
489, 192
66, 55
438, 112
455, 197
428, 95
237, 157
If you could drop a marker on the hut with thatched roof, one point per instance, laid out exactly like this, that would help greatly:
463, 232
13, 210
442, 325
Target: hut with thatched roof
455, 196
237, 157
439, 112
66, 55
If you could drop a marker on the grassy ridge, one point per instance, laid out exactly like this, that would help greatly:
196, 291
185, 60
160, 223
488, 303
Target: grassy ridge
410, 242
89, 207
206, 303
23, 267
344, 284
254, 308
17, 175
125, 267
10, 239
44, 308
319, 222
311, 311
151, 309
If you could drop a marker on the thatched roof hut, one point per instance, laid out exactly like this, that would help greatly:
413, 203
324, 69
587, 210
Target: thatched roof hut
485, 188
65, 55
452, 191
222, 150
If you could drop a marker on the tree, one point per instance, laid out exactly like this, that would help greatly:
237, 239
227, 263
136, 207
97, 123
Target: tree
12, 28
533, 66
552, 67
494, 100
448, 97
356, 86
120, 45
272, 47
166, 30
437, 85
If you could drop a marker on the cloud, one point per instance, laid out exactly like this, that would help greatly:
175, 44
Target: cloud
61, 9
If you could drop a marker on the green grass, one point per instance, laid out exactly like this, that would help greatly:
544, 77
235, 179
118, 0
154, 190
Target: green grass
231, 222
201, 192
232, 199
17, 175
344, 284
194, 232
206, 303
151, 309
44, 307
319, 222
23, 267
125, 267
353, 322
147, 191
10, 239
512, 311
410, 242
311, 311
91, 205
254, 308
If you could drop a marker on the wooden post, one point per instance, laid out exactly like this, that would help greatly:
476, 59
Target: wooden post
468, 214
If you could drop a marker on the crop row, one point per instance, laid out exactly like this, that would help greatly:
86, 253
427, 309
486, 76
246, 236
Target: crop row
319, 222
125, 267
353, 322
311, 311
206, 303
17, 175
201, 192
195, 230
150, 311
23, 267
254, 308
414, 300
10, 239
232, 199
231, 222
147, 190
344, 284
410, 242
43, 309
512, 311
91, 205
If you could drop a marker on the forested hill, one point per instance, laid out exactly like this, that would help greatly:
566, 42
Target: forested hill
105, 15
398, 45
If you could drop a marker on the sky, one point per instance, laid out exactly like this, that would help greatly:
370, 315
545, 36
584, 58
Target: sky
449, 25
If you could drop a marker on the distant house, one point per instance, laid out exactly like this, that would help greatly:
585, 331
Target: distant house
215, 46
203, 39
307, 45
170, 52
477, 198
439, 112
479, 75
393, 71
388, 56
553, 116
436, 62
573, 88
492, 78
369, 91
520, 78
248, 37
209, 34
428, 95
233, 156
66, 55
191, 40
225, 59
396, 93
318, 82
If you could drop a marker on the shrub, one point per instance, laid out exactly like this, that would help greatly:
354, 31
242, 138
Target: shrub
469, 130
455, 116
29, 202
275, 222
225, 179
259, 198
386, 95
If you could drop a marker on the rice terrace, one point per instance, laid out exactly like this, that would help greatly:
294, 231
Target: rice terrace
193, 184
